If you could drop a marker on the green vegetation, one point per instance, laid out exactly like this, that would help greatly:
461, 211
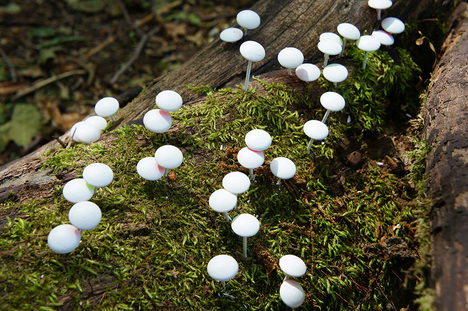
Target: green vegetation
355, 227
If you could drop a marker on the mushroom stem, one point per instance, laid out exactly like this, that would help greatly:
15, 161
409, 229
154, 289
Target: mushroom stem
247, 75
286, 278
252, 175
224, 285
325, 117
227, 217
112, 118
245, 246
245, 32
325, 60
336, 84
166, 172
379, 14
81, 232
289, 71
344, 44
311, 141
278, 182
365, 60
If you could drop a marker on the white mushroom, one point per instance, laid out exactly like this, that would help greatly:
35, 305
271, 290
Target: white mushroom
222, 268
169, 157
380, 5
348, 32
368, 44
84, 215
253, 52
236, 182
222, 201
308, 72
384, 37
292, 266
250, 159
77, 190
64, 238
283, 168
331, 101
168, 100
245, 225
149, 169
335, 73
157, 120
393, 25
330, 36
316, 130
85, 132
329, 47
258, 140
98, 175
231, 34
292, 294
248, 19
97, 121
290, 58
107, 107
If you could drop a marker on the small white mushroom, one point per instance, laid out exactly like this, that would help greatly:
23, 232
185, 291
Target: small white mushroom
157, 120
245, 225
97, 121
384, 37
64, 238
223, 201
85, 215
308, 72
292, 266
290, 58
335, 73
248, 19
168, 100
107, 107
258, 140
316, 130
329, 47
348, 32
85, 132
149, 169
222, 268
98, 175
77, 190
331, 36
169, 157
393, 25
250, 159
292, 294
283, 168
231, 34
331, 101
236, 182
380, 5
253, 52
368, 44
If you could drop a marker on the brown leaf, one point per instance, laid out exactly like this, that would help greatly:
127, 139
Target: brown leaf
10, 87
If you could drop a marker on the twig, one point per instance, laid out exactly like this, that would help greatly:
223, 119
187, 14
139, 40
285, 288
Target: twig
127, 17
9, 64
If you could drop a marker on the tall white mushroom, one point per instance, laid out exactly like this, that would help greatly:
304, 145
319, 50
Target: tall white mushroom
250, 159
98, 175
348, 32
77, 190
169, 157
168, 100
157, 120
393, 25
222, 268
368, 44
290, 58
253, 52
248, 19
231, 34
316, 130
384, 37
283, 168
335, 73
222, 201
107, 107
329, 47
307, 72
331, 101
236, 182
380, 5
258, 140
149, 169
85, 132
292, 294
292, 266
84, 215
245, 225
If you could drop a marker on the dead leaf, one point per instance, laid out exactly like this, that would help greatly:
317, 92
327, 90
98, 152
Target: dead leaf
10, 87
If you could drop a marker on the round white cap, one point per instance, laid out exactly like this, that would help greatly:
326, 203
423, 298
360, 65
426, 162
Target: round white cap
380, 4
393, 25
348, 31
98, 175
368, 43
245, 225
335, 73
85, 132
168, 100
222, 201
249, 158
106, 106
330, 47
222, 267
292, 294
292, 265
236, 182
283, 168
169, 156
157, 120
384, 37
258, 140
64, 238
149, 169
77, 190
84, 215
252, 50
316, 129
248, 19
97, 121
308, 72
231, 34
332, 101
330, 36
290, 57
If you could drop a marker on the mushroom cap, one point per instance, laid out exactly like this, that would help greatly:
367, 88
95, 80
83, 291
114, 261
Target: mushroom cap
249, 158
77, 190
292, 265
245, 225
98, 175
97, 121
291, 293
168, 100
384, 37
348, 31
222, 267
308, 72
157, 120
236, 182
332, 101
316, 129
231, 34
331, 36
393, 25
85, 132
335, 73
290, 57
64, 238
169, 156
222, 201
248, 19
106, 107
258, 140
283, 168
380, 4
149, 169
330, 47
368, 43
252, 50
84, 215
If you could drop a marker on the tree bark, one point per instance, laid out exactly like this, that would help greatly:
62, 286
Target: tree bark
446, 117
